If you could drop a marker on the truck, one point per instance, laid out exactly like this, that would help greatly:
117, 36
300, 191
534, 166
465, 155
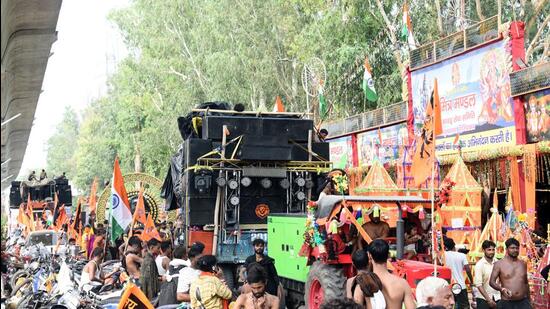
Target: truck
41, 192
233, 169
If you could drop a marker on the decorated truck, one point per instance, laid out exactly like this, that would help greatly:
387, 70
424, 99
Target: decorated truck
314, 261
233, 169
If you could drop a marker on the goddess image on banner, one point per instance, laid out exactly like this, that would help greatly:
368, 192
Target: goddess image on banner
341, 152
537, 115
369, 145
476, 105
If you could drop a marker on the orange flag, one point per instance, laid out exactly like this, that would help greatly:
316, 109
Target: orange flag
134, 298
438, 127
30, 214
60, 217
139, 213
424, 156
21, 217
150, 231
92, 199
278, 107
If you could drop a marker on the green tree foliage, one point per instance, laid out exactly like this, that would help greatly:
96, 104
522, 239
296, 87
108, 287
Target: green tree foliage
249, 51
61, 146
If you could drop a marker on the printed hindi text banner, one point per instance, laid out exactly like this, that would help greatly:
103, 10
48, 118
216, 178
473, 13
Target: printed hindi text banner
476, 105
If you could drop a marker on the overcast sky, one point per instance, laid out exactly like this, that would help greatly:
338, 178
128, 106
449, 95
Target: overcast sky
87, 49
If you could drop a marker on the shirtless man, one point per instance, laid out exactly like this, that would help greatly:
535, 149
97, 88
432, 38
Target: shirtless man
512, 276
375, 227
257, 298
133, 258
395, 289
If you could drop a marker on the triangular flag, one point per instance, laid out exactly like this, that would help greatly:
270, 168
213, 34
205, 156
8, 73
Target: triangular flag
278, 107
121, 215
92, 201
134, 298
457, 138
139, 213
30, 214
368, 82
406, 31
150, 231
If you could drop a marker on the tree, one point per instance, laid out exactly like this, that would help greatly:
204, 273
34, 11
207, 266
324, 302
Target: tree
61, 146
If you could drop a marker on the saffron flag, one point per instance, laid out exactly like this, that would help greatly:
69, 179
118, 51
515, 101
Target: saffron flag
368, 82
134, 298
30, 214
121, 215
323, 108
76, 226
59, 217
406, 31
150, 231
424, 156
278, 107
139, 212
92, 200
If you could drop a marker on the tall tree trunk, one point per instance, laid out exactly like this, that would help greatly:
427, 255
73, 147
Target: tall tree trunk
137, 160
391, 34
439, 21
479, 10
294, 80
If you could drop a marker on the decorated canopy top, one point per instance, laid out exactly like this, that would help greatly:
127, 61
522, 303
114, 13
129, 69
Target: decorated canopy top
377, 179
461, 176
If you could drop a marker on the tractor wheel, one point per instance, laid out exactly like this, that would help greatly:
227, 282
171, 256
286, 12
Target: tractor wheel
324, 282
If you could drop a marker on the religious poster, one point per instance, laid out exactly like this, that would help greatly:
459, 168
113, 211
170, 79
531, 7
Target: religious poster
341, 152
537, 116
369, 145
477, 111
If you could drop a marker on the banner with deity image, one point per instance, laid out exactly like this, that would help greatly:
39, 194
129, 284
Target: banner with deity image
476, 105
369, 145
341, 152
537, 116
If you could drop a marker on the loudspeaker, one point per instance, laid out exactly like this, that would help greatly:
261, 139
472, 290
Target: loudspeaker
65, 195
300, 153
265, 148
294, 128
194, 148
201, 210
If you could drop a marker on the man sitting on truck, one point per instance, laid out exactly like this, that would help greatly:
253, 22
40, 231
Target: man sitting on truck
376, 228
268, 264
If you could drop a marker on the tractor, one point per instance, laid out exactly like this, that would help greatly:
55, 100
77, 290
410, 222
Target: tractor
313, 274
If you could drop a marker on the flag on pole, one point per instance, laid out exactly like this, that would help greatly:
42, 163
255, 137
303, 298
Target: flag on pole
121, 215
150, 231
368, 82
278, 107
134, 298
424, 156
92, 200
30, 214
380, 136
60, 217
323, 108
139, 212
406, 31
76, 226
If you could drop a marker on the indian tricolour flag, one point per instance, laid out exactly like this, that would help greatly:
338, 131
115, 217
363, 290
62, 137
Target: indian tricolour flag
368, 83
121, 215
406, 32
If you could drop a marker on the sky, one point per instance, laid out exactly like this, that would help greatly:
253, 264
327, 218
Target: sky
86, 52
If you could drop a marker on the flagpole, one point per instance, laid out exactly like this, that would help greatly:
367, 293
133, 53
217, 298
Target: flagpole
434, 236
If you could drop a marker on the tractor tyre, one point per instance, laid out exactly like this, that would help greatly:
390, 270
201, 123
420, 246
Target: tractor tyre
324, 282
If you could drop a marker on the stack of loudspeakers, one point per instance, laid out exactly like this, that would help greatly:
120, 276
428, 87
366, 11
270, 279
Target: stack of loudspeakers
263, 140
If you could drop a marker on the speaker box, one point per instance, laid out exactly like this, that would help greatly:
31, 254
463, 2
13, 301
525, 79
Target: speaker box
265, 148
201, 210
294, 128
249, 205
299, 153
64, 195
194, 148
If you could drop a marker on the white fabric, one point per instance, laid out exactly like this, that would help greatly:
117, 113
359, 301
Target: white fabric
378, 301
180, 262
456, 262
158, 261
187, 276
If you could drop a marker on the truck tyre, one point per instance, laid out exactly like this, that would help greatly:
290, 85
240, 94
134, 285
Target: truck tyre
324, 282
